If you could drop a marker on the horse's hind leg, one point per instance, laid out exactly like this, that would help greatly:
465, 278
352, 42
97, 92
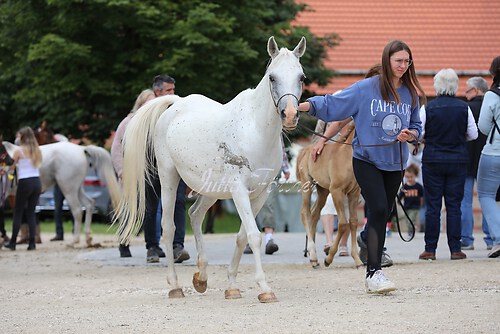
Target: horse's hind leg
89, 205
169, 183
76, 210
196, 214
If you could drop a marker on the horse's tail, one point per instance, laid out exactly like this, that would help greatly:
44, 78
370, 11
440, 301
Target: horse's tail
101, 160
138, 165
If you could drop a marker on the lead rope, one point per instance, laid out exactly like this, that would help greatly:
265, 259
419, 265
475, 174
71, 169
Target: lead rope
414, 152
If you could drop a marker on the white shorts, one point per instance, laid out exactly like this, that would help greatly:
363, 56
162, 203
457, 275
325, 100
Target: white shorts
329, 208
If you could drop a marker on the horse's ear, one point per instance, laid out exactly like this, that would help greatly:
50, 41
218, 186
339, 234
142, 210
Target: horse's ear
272, 47
300, 48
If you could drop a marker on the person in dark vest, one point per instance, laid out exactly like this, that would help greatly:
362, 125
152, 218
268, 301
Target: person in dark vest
447, 124
474, 93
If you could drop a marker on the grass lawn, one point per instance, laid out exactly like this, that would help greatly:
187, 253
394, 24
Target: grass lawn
225, 223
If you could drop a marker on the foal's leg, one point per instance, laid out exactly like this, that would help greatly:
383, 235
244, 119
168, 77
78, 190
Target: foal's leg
196, 214
353, 198
242, 202
310, 218
305, 216
338, 199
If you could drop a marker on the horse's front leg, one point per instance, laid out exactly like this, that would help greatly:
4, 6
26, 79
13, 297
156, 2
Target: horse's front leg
242, 202
233, 292
196, 214
241, 241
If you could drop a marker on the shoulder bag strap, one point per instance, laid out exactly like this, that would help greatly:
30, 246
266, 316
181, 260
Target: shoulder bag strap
495, 90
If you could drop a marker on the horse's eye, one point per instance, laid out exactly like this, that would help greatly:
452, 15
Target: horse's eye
271, 78
302, 78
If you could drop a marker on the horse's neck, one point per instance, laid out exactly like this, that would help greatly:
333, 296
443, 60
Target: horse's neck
260, 110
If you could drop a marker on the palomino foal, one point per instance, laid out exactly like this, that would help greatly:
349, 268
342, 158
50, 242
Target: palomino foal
332, 173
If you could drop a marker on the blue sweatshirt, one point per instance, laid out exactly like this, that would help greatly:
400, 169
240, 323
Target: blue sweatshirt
377, 122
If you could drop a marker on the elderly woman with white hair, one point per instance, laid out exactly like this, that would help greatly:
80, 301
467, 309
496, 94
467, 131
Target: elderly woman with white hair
447, 124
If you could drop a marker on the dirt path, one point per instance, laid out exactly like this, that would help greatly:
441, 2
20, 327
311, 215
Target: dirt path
51, 290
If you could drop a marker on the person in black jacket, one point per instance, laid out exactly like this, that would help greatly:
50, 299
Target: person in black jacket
476, 87
447, 123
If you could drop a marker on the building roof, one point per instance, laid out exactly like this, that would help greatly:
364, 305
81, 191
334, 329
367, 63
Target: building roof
441, 34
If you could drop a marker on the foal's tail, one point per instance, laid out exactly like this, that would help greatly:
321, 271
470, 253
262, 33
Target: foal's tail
101, 160
138, 165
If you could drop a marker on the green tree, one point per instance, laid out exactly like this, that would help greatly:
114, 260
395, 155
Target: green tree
79, 64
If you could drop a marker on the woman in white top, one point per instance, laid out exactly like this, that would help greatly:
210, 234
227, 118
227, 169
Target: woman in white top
27, 160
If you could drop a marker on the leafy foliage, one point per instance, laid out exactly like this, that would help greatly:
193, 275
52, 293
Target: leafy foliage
79, 64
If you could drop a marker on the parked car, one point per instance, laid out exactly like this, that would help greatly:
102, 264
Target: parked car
92, 186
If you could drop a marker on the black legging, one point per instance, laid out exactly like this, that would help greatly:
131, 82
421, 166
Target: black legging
28, 191
379, 188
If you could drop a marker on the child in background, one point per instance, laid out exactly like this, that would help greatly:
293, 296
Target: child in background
413, 197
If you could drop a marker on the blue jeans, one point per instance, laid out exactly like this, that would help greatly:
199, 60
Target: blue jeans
488, 180
179, 216
443, 180
468, 217
58, 210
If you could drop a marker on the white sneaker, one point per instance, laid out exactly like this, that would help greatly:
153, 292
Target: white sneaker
378, 283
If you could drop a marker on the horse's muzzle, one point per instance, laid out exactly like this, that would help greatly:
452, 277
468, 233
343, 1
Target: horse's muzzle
289, 120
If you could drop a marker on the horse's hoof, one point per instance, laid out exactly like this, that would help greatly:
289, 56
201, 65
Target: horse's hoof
232, 294
200, 286
314, 264
176, 293
267, 297
327, 264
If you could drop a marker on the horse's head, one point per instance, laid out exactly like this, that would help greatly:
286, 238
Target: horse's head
285, 80
44, 137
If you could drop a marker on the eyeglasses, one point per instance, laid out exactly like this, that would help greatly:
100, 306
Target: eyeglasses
400, 62
469, 90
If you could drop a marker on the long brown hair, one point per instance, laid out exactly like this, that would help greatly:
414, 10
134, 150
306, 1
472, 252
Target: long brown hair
28, 142
495, 72
409, 78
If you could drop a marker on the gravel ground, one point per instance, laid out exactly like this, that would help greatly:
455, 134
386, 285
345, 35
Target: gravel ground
55, 289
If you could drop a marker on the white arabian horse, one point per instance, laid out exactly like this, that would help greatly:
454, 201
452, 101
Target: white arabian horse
66, 164
221, 151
